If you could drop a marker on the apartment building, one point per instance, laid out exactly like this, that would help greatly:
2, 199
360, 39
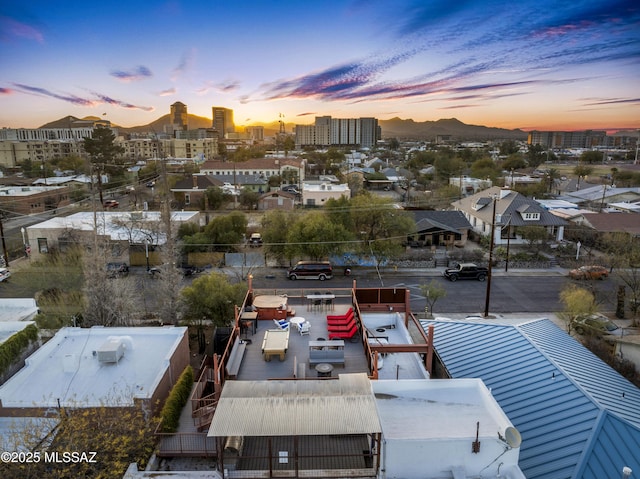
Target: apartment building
579, 139
328, 131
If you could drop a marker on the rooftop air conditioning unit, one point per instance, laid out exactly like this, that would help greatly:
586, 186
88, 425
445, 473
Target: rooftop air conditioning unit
111, 350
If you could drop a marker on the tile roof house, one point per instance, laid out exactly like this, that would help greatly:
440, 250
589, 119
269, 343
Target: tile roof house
513, 211
578, 418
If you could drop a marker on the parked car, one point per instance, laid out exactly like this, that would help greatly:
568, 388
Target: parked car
466, 271
115, 270
293, 189
311, 270
589, 272
255, 240
150, 184
110, 204
189, 270
4, 274
595, 324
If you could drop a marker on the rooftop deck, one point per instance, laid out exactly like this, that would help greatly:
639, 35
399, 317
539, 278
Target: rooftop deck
384, 328
382, 348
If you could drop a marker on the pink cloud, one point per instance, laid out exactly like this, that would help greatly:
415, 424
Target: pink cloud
12, 28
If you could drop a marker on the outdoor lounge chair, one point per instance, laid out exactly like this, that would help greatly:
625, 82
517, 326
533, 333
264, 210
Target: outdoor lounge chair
305, 328
340, 322
342, 327
331, 317
345, 334
282, 324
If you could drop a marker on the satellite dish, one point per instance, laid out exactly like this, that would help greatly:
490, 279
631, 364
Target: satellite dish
512, 437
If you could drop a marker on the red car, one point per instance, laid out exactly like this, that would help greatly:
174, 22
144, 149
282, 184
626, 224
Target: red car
111, 204
589, 272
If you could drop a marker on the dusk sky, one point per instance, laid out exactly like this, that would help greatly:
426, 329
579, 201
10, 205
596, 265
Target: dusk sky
547, 65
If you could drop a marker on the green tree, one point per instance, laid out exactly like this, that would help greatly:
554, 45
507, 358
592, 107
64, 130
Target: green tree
509, 147
514, 162
582, 171
249, 198
71, 163
535, 236
577, 301
380, 226
214, 198
485, 168
275, 225
104, 154
212, 298
591, 157
314, 237
448, 167
393, 144
338, 211
188, 229
227, 231
432, 292
536, 154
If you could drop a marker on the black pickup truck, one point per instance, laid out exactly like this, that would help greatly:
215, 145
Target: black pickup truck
466, 271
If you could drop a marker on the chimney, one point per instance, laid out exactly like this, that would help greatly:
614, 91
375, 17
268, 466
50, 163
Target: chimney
195, 181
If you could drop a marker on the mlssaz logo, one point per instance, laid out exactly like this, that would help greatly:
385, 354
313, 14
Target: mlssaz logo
70, 457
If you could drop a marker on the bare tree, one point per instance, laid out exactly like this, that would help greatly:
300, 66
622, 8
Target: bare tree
110, 301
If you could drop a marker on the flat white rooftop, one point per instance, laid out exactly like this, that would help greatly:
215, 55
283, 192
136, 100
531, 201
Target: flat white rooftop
67, 368
17, 309
9, 328
118, 225
437, 409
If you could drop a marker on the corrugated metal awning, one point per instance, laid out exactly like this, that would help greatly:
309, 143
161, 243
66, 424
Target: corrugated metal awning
296, 408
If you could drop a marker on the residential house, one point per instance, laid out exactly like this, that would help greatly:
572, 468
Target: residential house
468, 185
439, 228
598, 197
277, 200
614, 223
26, 200
510, 212
314, 194
190, 192
291, 170
578, 417
132, 235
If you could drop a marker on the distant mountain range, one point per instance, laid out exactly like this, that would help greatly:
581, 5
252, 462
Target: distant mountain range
393, 128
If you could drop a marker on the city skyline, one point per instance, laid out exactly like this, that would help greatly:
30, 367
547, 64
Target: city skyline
527, 65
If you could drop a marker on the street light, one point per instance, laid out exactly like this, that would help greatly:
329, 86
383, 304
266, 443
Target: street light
493, 229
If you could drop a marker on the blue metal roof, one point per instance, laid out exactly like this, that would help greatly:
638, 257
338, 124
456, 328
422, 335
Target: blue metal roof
568, 405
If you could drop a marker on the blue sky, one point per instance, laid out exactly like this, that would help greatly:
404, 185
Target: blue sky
527, 64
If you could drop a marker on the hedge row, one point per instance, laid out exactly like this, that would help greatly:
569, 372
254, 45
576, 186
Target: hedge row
13, 347
177, 399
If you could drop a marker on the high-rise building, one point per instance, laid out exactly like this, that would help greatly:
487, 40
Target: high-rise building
179, 118
327, 131
223, 121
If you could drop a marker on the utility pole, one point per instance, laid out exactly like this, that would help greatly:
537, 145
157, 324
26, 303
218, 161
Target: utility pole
4, 243
493, 228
